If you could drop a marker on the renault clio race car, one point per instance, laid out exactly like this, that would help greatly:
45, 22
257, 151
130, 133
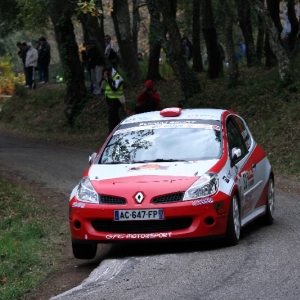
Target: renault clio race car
169, 175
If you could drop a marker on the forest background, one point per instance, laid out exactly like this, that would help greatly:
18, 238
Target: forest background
263, 87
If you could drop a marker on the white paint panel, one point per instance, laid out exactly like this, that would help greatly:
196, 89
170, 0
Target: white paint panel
106, 171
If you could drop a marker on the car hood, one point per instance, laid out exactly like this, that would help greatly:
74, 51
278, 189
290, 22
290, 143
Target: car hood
185, 169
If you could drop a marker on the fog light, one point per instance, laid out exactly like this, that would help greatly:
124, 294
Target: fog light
209, 221
77, 224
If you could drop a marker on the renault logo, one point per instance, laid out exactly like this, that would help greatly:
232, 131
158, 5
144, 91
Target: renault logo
139, 197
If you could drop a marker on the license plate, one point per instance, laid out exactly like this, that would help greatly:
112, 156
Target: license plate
146, 214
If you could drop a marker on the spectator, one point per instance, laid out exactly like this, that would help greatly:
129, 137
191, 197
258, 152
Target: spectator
140, 57
31, 64
96, 63
148, 99
22, 55
44, 59
114, 96
185, 50
110, 51
285, 42
190, 46
38, 47
86, 64
240, 50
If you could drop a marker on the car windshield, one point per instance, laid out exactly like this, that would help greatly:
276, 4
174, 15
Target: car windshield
184, 140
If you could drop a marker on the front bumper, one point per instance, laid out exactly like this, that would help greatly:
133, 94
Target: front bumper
203, 218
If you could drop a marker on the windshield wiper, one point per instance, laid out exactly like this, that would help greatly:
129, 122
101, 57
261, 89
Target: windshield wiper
156, 160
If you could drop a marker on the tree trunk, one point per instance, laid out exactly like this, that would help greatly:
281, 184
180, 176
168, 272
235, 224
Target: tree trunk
273, 7
197, 56
233, 67
60, 15
292, 41
135, 24
188, 81
92, 29
215, 64
121, 19
284, 67
244, 12
155, 47
260, 38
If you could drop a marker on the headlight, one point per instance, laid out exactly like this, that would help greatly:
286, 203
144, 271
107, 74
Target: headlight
86, 192
206, 185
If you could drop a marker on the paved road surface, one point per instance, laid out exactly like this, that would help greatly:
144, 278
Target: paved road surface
265, 265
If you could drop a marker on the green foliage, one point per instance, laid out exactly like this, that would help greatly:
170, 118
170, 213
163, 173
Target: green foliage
22, 14
166, 70
23, 228
88, 7
8, 11
32, 13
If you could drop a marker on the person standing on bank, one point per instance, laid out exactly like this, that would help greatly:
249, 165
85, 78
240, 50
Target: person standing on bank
110, 51
114, 96
44, 59
96, 63
31, 64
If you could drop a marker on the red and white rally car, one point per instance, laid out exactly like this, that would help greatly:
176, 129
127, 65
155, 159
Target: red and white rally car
173, 174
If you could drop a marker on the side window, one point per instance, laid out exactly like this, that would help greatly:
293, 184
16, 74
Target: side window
235, 139
244, 131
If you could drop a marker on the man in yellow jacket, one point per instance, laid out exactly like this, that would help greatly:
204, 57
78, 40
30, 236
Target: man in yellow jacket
114, 95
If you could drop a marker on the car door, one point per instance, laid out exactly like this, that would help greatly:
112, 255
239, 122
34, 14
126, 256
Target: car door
238, 138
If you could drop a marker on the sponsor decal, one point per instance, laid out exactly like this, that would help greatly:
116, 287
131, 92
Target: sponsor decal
167, 124
149, 167
140, 236
227, 177
204, 117
248, 179
247, 208
244, 134
248, 143
201, 202
249, 197
78, 204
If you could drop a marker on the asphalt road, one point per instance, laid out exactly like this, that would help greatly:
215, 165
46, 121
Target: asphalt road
265, 264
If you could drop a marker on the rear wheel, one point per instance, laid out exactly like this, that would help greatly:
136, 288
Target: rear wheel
84, 250
268, 218
234, 223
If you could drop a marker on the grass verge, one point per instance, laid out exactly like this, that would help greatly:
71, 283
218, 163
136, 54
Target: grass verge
26, 255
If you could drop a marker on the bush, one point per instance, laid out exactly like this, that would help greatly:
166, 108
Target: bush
8, 80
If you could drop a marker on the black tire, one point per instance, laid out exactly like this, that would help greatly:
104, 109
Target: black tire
84, 250
233, 231
268, 218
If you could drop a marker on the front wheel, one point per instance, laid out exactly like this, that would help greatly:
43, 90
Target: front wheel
84, 250
234, 223
268, 218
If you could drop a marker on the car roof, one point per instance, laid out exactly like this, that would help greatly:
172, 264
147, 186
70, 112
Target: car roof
196, 113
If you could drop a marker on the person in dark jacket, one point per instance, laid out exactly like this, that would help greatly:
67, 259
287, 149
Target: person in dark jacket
44, 59
149, 99
96, 63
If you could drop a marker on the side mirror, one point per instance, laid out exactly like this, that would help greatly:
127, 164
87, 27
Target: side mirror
236, 153
92, 157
